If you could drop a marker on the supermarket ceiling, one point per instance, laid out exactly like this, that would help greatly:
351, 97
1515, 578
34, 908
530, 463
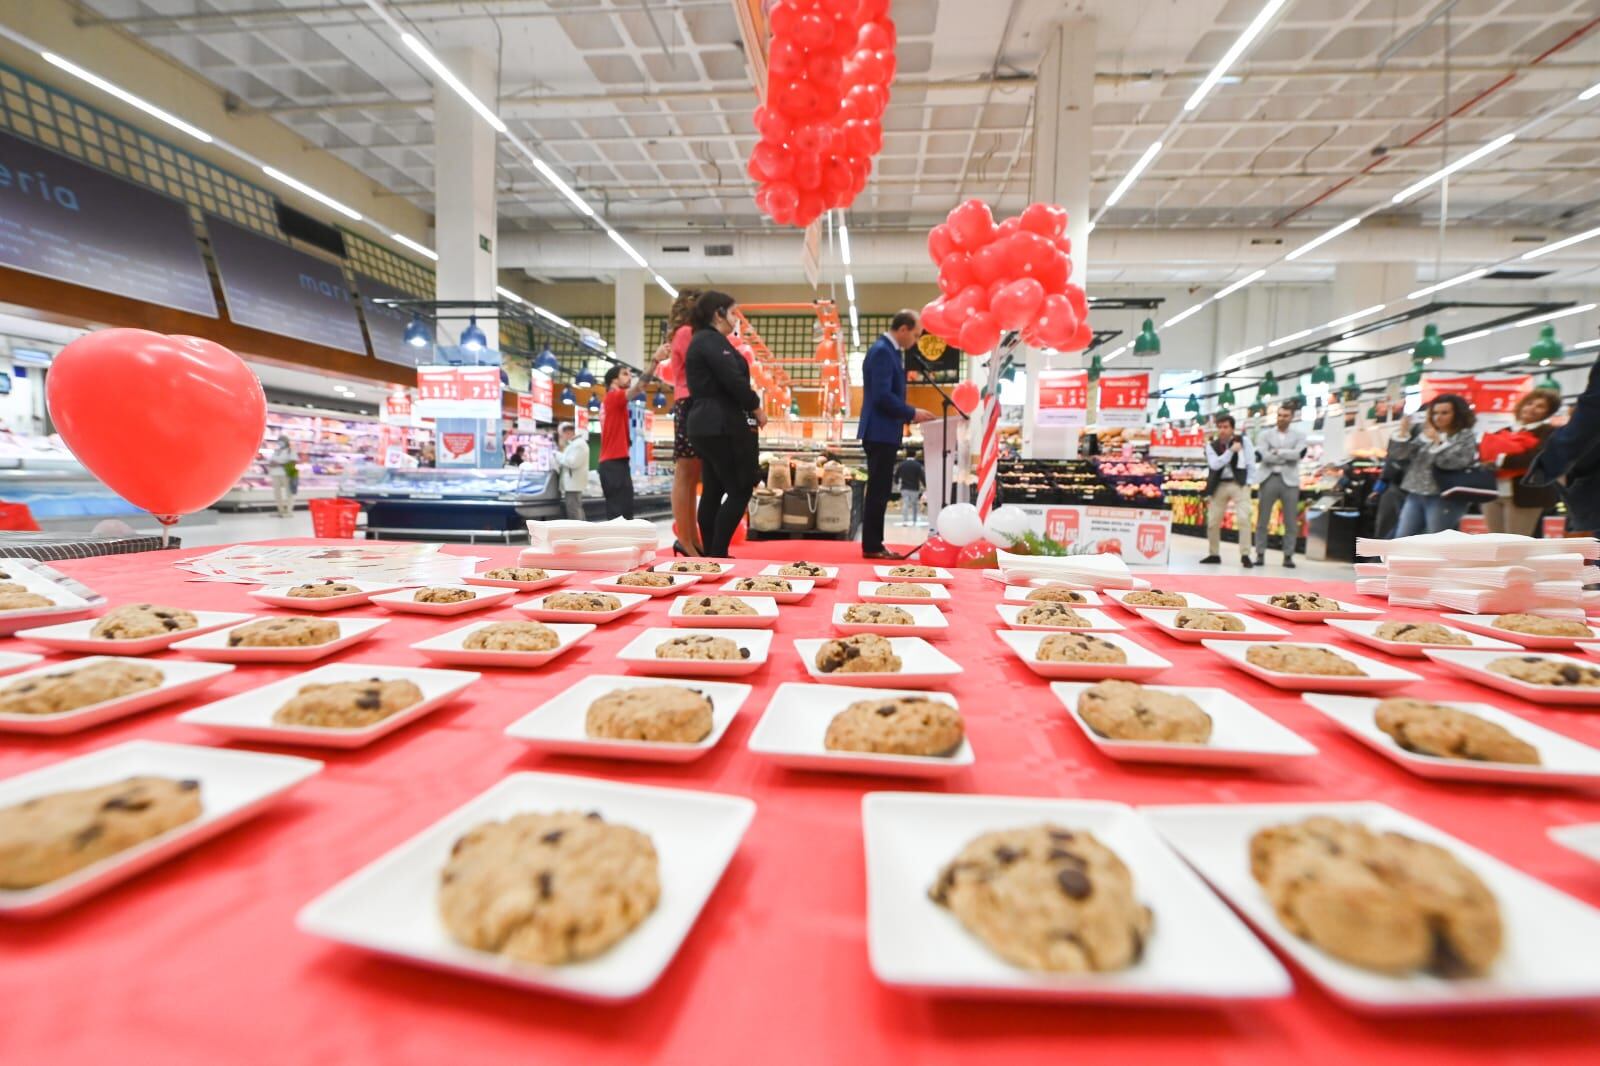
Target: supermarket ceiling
644, 105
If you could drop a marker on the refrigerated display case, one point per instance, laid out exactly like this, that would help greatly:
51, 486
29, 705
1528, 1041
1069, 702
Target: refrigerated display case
453, 503
330, 448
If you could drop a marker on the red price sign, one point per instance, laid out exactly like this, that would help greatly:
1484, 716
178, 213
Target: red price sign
525, 408
1062, 526
1151, 539
1123, 398
1063, 398
542, 390
1499, 395
1436, 385
479, 383
438, 383
458, 445
397, 405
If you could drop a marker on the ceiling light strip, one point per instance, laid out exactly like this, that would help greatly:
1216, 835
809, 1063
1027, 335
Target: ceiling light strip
1577, 238
126, 97
1444, 172
1132, 175
301, 187
1316, 242
1551, 316
844, 242
1241, 283
1231, 56
459, 87
1459, 279
1352, 316
1474, 335
1181, 315
420, 249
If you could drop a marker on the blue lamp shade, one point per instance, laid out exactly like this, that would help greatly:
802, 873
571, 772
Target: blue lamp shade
638, 401
417, 335
660, 400
568, 396
594, 402
473, 338
585, 377
547, 362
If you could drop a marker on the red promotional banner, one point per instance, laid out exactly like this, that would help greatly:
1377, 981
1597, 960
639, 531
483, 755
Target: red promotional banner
457, 445
438, 383
525, 408
1499, 393
1178, 442
542, 390
1124, 398
458, 392
479, 383
1063, 398
580, 419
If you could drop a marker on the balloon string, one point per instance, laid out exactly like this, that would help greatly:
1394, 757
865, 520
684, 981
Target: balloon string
167, 522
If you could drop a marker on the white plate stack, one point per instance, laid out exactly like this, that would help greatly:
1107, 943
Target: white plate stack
620, 544
1485, 573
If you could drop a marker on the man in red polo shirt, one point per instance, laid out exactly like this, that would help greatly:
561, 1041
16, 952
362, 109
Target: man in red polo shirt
616, 477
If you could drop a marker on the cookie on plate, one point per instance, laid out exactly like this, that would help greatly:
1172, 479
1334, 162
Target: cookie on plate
348, 704
321, 590
437, 594
1421, 633
51, 836
1046, 898
296, 632
1051, 613
695, 566
900, 725
1124, 710
548, 888
701, 646
512, 636
1301, 659
802, 569
1304, 601
648, 579
665, 714
1381, 901
138, 620
23, 601
1210, 621
516, 573
878, 613
1078, 648
598, 602
1054, 594
763, 584
1537, 670
83, 686
1537, 625
1156, 598
717, 606
862, 653
913, 572
904, 588
1447, 733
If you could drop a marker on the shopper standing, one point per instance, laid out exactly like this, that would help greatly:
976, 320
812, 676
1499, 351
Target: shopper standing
279, 463
1233, 465
723, 422
1572, 453
912, 478
1279, 450
572, 460
616, 442
1391, 497
685, 462
1446, 442
884, 416
1519, 506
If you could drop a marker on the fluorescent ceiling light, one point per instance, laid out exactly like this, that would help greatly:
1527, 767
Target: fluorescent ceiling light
666, 286
1241, 283
562, 187
1552, 315
1347, 224
1181, 315
850, 287
1352, 316
420, 249
1546, 249
299, 186
1441, 286
1132, 175
1467, 337
508, 294
1445, 171
1090, 228
126, 97
551, 316
1516, 358
455, 83
1231, 56
844, 242
1588, 94
1585, 344
855, 323
1247, 353
617, 239
1291, 337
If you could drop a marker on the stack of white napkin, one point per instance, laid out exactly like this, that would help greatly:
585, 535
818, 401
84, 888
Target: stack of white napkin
620, 544
1086, 571
1488, 573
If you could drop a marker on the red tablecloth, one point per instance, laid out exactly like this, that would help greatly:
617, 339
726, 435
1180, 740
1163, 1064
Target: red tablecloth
199, 961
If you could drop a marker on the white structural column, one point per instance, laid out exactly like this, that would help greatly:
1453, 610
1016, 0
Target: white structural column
628, 306
464, 190
1063, 130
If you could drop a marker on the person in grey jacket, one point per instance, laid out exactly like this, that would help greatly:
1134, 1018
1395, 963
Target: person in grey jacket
572, 457
1279, 450
1445, 442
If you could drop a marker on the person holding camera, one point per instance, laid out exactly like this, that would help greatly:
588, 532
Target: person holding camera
1232, 460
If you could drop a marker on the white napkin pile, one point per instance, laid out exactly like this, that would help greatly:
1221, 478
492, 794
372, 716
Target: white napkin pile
1488, 573
620, 544
1088, 571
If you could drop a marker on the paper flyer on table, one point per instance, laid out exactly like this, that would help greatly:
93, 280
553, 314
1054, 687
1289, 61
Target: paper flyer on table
399, 564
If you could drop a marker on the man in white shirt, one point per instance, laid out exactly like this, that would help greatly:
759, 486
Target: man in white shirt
1279, 450
572, 458
1233, 464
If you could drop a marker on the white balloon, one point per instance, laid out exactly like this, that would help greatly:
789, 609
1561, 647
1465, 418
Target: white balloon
1004, 525
960, 525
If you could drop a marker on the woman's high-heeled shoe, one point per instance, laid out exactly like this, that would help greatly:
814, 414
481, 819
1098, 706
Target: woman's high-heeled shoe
678, 548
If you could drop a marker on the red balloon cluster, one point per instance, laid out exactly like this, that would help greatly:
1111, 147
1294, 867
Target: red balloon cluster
1011, 276
828, 73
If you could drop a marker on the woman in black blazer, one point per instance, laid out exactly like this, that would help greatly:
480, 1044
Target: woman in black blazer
723, 422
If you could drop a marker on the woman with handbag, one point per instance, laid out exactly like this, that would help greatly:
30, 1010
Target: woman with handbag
1445, 446
670, 359
723, 422
1511, 451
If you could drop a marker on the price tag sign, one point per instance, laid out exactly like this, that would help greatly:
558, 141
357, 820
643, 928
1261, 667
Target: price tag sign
1124, 398
1063, 398
458, 392
542, 393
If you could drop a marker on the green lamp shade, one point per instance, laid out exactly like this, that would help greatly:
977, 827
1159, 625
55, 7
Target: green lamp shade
1163, 411
1352, 390
1095, 367
1323, 374
794, 408
1227, 398
1257, 408
1546, 349
1548, 382
1414, 375
1147, 343
1430, 347
1268, 386
1193, 406
1372, 413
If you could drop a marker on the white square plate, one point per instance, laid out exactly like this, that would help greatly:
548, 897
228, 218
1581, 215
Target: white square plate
279, 596
1099, 621
1378, 677
1484, 623
1347, 610
1474, 666
405, 600
1563, 761
799, 589
829, 576
867, 592
535, 608
724, 567
390, 905
449, 648
248, 715
926, 621
1592, 649
1583, 839
69, 600
558, 723
941, 575
680, 583
178, 680
1240, 735
233, 786
793, 729
556, 577
921, 665
74, 636
640, 653
766, 615
1142, 662
16, 660
1163, 618
1197, 952
1120, 596
214, 646
1545, 959
1366, 631
1019, 594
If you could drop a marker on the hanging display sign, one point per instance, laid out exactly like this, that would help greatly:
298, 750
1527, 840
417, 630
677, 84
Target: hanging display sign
580, 420
542, 392
1493, 397
386, 325
1178, 442
458, 392
271, 286
1436, 385
1124, 398
1063, 398
397, 408
1140, 536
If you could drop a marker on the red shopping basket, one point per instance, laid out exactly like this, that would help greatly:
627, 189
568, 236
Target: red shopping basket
334, 518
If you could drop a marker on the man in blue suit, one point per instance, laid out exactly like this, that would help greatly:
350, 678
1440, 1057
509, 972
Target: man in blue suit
884, 414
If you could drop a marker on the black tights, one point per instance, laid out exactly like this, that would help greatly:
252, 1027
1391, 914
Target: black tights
729, 470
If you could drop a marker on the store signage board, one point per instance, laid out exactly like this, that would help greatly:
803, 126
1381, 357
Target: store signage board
1141, 536
1063, 398
386, 326
1178, 442
397, 408
273, 287
1124, 398
1493, 397
580, 421
458, 392
542, 393
63, 219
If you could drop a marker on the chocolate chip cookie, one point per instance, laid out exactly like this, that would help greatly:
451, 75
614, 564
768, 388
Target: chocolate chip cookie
905, 725
863, 653
1123, 710
297, 632
1155, 598
905, 588
135, 621
512, 636
1421, 633
1051, 614
1304, 601
647, 579
71, 689
1537, 625
517, 573
439, 594
321, 590
666, 714
1381, 901
1537, 670
802, 569
913, 572
717, 606
23, 601
48, 837
1447, 733
348, 704
695, 566
548, 888
597, 602
763, 584
1211, 621
886, 614
1053, 594
1047, 898
1301, 659
700, 646
1078, 648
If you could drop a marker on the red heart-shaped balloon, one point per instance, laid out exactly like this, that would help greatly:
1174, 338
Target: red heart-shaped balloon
169, 423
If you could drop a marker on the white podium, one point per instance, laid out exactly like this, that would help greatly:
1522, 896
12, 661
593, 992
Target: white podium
943, 468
